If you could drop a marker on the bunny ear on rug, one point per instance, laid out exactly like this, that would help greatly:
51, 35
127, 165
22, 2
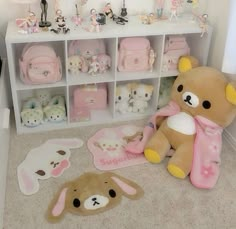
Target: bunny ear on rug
71, 143
28, 182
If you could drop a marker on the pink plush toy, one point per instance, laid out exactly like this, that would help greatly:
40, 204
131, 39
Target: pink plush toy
104, 62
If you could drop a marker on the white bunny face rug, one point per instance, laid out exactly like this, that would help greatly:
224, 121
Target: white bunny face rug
50, 159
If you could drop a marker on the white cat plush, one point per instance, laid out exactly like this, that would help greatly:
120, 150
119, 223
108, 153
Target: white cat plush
123, 95
141, 94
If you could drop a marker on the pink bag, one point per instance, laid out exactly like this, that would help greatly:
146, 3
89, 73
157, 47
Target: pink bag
92, 96
39, 64
87, 48
175, 47
134, 54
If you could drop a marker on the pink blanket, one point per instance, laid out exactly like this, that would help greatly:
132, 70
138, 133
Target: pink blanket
207, 146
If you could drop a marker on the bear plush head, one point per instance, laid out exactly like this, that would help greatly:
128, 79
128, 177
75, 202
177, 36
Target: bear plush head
204, 91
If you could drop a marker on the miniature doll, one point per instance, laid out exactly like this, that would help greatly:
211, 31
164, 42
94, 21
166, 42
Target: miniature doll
29, 24
203, 24
108, 11
94, 25
152, 57
160, 7
44, 8
61, 23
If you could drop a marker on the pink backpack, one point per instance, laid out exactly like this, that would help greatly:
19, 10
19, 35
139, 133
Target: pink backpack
175, 47
87, 48
39, 64
134, 54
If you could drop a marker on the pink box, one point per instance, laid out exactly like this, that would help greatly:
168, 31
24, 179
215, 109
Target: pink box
92, 96
79, 114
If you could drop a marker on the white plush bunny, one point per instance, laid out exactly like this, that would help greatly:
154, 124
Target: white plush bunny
50, 159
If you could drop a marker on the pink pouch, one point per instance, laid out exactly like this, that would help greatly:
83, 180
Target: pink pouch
91, 96
134, 54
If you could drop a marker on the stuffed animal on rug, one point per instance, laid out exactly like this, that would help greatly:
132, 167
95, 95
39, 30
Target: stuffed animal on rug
50, 159
91, 194
202, 104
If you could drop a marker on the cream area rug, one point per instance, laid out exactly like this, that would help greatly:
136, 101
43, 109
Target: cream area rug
167, 202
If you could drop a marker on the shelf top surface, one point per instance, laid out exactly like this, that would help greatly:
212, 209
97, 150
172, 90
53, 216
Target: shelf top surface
134, 27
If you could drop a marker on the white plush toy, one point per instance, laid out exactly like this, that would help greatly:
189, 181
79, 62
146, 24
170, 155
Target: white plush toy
141, 94
123, 95
43, 96
76, 64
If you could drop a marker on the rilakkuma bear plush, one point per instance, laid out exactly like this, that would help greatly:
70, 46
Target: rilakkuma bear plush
141, 94
76, 64
123, 96
202, 104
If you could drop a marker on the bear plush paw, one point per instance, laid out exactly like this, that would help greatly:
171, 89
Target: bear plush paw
176, 171
152, 156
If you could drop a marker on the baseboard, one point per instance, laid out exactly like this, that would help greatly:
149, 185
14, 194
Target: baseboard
230, 139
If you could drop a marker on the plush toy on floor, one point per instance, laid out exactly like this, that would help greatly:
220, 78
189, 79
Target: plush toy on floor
202, 104
141, 94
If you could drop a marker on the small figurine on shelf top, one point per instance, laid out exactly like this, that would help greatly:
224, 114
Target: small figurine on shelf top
44, 8
203, 23
77, 19
95, 26
61, 23
29, 24
160, 8
175, 5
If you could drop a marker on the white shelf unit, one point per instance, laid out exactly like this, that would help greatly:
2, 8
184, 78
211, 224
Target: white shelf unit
111, 33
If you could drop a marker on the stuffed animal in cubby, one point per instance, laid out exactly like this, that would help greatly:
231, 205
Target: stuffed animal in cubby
165, 90
77, 63
202, 104
55, 111
32, 113
104, 61
123, 96
43, 96
141, 94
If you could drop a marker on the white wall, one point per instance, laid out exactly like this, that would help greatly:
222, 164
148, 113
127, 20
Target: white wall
218, 17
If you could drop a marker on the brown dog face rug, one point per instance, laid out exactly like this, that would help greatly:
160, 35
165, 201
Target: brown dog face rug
92, 193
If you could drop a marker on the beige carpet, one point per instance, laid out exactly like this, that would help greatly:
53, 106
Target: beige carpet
167, 203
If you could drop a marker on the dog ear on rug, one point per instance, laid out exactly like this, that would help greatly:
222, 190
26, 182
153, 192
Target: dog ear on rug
91, 194
71, 143
127, 187
57, 207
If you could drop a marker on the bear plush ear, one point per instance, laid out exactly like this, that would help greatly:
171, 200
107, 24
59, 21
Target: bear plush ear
231, 93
